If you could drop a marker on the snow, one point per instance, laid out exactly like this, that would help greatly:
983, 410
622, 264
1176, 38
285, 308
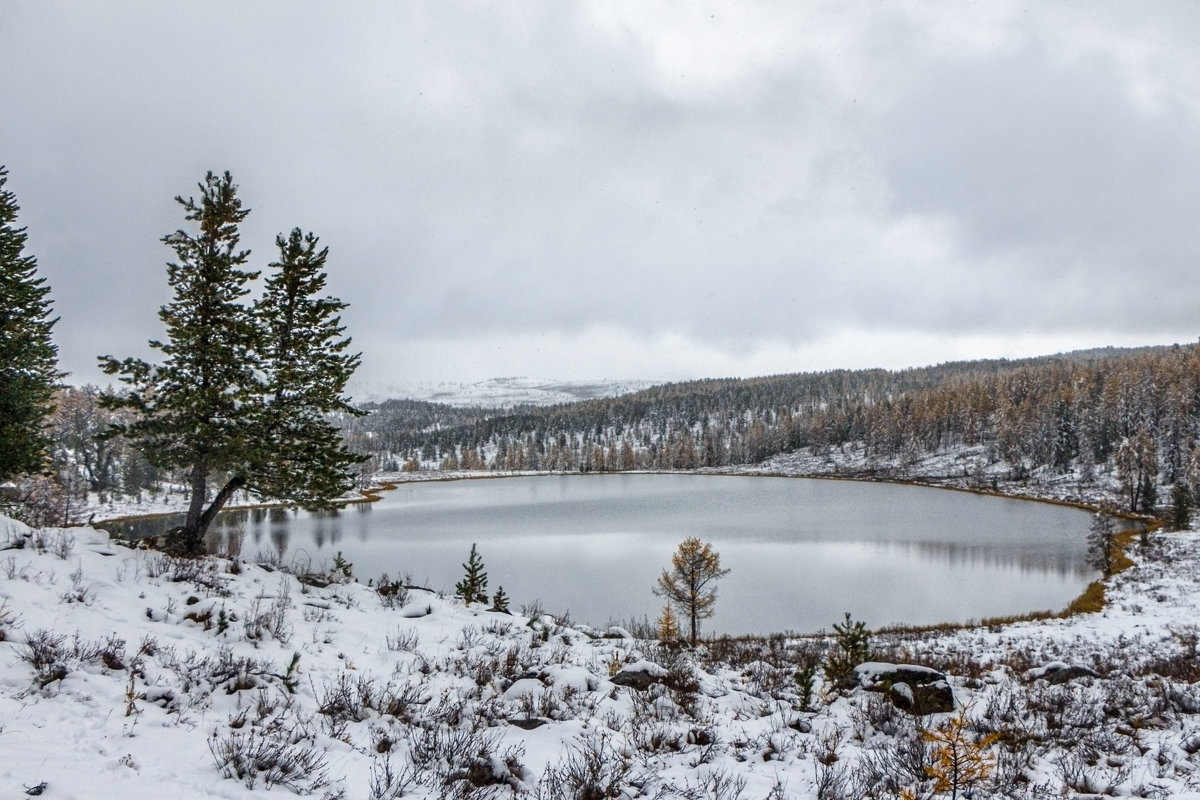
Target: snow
124, 673
502, 392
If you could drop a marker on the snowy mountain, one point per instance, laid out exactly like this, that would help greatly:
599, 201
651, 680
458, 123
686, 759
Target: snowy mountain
502, 392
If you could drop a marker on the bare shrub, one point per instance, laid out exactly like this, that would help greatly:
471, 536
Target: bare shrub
1076, 774
343, 702
714, 785
270, 619
61, 544
8, 620
79, 592
591, 770
393, 593
9, 567
280, 751
388, 782
403, 641
45, 653
466, 759
832, 782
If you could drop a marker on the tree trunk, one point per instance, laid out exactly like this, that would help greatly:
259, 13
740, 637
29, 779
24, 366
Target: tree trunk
191, 535
200, 518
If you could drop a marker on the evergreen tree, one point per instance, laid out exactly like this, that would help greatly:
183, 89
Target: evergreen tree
237, 400
1181, 507
28, 357
1102, 543
853, 647
473, 587
303, 355
690, 583
500, 601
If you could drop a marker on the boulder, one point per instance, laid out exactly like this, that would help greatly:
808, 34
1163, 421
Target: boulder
639, 675
1058, 672
912, 688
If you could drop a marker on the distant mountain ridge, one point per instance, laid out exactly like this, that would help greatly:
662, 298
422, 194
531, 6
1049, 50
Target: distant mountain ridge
508, 392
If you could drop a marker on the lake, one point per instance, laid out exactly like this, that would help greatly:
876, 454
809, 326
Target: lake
801, 551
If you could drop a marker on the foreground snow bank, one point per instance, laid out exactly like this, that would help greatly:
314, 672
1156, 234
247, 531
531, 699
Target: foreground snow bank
127, 673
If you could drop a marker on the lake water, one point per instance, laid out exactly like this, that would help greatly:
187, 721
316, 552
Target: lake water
801, 552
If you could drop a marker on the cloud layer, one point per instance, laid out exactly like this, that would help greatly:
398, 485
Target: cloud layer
629, 190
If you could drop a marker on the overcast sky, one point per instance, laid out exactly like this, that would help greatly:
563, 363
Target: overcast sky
628, 190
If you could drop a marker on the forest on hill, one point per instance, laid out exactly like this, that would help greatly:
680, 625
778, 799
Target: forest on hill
1135, 412
1131, 416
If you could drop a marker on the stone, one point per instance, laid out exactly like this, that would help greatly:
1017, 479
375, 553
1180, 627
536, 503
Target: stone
639, 675
912, 688
1058, 672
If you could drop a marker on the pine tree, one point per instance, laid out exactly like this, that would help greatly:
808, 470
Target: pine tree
303, 355
690, 583
500, 601
238, 398
1181, 507
1102, 543
28, 358
473, 587
852, 643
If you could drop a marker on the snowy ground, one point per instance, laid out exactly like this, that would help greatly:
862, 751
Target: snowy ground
124, 673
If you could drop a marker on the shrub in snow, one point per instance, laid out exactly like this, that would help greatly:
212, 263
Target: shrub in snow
592, 770
279, 749
393, 594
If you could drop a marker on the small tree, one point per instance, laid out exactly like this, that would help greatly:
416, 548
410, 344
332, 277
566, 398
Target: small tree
960, 759
852, 646
500, 601
473, 587
668, 625
28, 358
1102, 543
690, 583
1181, 507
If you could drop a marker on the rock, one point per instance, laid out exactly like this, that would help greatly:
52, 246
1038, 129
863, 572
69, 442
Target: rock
801, 725
639, 675
1058, 672
912, 688
527, 724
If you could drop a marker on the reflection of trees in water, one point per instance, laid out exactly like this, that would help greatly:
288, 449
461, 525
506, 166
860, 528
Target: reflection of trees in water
279, 539
326, 527
1049, 560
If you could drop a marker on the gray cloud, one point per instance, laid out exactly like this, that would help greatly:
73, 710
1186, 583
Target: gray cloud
747, 187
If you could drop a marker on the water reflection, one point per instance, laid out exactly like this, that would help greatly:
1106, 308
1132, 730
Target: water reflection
801, 552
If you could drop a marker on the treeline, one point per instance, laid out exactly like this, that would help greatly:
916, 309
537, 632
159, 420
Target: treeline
1134, 412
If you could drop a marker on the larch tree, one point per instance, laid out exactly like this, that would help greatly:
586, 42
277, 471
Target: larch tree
959, 759
237, 402
690, 584
28, 357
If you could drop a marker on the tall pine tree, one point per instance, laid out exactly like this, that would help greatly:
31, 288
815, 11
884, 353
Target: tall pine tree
28, 358
237, 402
304, 356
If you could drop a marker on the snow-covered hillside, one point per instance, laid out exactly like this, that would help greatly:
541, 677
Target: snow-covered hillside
129, 674
502, 392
